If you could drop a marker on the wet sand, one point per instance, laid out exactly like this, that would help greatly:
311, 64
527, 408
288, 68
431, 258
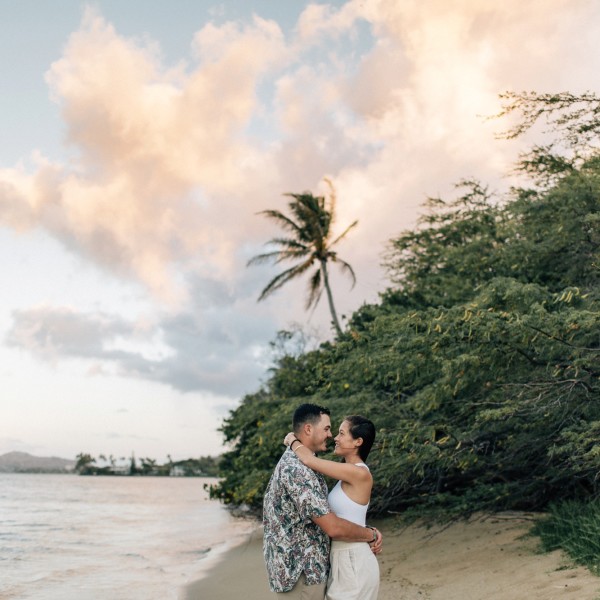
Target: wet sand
488, 558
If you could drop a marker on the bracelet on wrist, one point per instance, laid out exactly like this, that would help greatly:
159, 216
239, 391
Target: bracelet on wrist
374, 533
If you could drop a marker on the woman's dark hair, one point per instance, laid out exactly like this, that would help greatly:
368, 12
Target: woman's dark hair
307, 413
361, 427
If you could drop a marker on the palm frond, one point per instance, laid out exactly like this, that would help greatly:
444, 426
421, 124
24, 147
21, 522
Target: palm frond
294, 255
259, 259
339, 237
315, 289
346, 268
282, 219
284, 277
278, 256
289, 243
291, 249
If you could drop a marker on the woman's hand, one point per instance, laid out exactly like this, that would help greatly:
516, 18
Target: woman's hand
376, 546
289, 438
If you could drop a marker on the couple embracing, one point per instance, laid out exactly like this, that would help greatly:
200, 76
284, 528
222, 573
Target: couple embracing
300, 517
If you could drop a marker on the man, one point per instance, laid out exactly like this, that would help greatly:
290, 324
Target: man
298, 522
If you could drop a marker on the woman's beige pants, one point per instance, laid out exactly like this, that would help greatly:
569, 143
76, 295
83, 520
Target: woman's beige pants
354, 573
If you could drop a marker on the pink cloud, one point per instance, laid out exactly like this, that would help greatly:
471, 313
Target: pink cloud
169, 165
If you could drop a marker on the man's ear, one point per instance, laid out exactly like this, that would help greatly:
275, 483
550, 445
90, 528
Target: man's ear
307, 428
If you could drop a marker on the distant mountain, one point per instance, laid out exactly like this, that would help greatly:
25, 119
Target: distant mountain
21, 462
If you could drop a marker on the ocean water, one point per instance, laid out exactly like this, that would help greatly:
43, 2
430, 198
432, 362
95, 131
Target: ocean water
66, 537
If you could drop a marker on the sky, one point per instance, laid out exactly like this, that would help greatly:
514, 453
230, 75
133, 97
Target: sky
141, 139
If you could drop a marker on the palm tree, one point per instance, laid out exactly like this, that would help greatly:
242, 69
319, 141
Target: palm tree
310, 244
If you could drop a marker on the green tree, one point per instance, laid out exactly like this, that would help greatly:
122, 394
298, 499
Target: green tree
148, 466
480, 365
455, 248
310, 245
209, 465
84, 463
483, 402
572, 120
133, 468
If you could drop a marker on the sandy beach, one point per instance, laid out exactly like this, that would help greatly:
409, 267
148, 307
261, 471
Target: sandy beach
488, 558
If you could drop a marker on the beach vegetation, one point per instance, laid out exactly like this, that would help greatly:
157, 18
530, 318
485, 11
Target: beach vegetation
84, 463
480, 364
572, 526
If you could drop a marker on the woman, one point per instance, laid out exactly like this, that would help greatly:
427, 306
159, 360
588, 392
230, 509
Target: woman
354, 572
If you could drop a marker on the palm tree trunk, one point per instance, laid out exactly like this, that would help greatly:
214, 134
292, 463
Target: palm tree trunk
336, 322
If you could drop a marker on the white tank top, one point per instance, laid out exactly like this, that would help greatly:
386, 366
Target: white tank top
345, 507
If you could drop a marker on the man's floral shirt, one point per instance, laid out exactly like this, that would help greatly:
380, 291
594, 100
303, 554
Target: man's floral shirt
293, 544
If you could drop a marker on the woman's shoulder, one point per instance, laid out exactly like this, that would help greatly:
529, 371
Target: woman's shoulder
361, 472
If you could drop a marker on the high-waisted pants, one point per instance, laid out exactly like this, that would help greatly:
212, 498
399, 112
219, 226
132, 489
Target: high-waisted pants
354, 573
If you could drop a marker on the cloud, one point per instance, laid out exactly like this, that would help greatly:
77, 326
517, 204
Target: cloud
50, 333
170, 164
168, 130
154, 149
421, 94
215, 347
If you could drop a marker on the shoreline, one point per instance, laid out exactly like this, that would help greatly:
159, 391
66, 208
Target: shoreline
238, 572
485, 558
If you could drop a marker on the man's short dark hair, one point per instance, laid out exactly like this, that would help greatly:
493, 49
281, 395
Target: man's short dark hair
308, 413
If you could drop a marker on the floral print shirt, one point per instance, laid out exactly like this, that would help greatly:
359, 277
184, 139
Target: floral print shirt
292, 543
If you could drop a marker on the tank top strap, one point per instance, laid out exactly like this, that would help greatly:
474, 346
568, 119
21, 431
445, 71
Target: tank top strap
361, 464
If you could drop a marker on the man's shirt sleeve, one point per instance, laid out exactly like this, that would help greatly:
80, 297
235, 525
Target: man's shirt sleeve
307, 491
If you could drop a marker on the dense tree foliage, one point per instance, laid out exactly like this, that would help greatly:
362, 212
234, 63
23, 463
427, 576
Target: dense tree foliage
480, 365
